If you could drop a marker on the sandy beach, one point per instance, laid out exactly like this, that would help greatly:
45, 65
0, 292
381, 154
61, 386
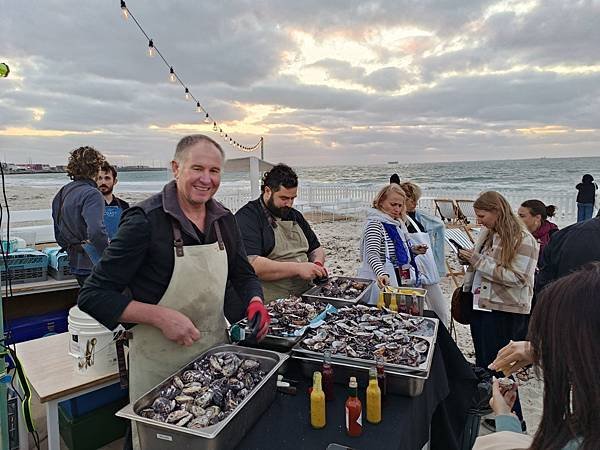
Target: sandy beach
340, 239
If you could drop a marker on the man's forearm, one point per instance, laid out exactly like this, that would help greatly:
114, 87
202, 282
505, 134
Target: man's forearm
140, 312
269, 270
317, 255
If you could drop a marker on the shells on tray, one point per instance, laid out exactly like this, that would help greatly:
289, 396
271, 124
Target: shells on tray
290, 314
206, 392
342, 288
365, 333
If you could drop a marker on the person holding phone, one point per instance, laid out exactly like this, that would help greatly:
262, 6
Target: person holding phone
558, 326
501, 277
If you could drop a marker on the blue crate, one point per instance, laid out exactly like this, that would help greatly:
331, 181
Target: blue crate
35, 327
24, 266
84, 404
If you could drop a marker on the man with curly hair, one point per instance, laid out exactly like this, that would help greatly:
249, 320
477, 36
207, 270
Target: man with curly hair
78, 213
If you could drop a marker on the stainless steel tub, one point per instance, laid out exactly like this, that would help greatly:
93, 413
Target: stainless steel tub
314, 293
226, 434
401, 383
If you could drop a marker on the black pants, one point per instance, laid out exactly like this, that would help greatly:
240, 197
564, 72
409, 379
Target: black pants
493, 330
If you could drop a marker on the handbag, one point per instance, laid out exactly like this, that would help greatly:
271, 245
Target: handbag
462, 306
425, 262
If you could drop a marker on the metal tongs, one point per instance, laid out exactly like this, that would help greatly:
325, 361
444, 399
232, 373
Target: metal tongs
245, 334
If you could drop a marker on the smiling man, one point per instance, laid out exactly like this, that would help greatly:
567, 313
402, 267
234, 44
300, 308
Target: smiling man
175, 252
281, 246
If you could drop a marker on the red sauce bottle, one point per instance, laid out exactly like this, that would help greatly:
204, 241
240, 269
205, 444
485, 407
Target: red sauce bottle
327, 372
353, 410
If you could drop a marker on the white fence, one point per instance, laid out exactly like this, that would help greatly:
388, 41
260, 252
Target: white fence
35, 226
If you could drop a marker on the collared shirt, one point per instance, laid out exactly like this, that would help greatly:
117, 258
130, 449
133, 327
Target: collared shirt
256, 225
141, 257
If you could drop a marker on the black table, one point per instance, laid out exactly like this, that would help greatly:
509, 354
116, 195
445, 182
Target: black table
406, 421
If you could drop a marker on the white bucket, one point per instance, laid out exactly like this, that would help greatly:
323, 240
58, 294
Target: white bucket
91, 344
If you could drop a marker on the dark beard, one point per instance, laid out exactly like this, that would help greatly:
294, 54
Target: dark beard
106, 192
282, 213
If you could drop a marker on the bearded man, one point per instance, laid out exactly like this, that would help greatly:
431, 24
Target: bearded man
281, 246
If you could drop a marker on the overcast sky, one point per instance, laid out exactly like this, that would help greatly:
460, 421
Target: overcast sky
325, 82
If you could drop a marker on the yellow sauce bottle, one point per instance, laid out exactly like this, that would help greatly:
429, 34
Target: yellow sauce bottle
373, 398
394, 303
317, 403
381, 299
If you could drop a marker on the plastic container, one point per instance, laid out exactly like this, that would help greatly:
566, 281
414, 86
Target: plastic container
58, 264
84, 404
92, 430
25, 266
35, 327
92, 345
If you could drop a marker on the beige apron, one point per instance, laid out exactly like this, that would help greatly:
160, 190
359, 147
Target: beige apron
196, 289
291, 245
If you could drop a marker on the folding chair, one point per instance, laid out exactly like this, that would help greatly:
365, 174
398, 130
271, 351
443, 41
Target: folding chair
447, 209
462, 236
466, 212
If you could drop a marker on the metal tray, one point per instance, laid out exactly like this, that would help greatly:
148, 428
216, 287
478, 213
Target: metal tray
407, 384
225, 434
313, 294
421, 369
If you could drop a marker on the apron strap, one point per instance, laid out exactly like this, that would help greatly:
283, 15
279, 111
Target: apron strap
219, 236
177, 239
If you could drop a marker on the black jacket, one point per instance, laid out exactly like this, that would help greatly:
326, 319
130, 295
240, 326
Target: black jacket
141, 257
586, 192
568, 250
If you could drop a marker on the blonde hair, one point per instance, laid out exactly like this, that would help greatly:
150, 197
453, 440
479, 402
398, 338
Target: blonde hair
508, 226
384, 192
411, 190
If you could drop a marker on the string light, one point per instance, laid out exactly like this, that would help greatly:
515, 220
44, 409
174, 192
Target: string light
174, 78
151, 50
124, 10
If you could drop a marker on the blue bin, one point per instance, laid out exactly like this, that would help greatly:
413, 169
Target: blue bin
84, 404
35, 327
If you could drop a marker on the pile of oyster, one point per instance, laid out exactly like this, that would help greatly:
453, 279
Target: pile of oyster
366, 333
291, 314
207, 392
343, 288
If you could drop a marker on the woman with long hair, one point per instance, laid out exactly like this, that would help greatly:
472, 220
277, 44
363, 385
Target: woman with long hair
564, 340
534, 214
385, 252
500, 277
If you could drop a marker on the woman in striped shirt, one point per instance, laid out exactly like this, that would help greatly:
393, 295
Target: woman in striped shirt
385, 251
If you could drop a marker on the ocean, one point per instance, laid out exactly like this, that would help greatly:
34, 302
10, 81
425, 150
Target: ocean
531, 176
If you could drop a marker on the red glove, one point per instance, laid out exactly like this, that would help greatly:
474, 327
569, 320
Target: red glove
256, 307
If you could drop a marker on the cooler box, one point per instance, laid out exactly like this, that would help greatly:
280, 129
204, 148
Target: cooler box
35, 327
24, 266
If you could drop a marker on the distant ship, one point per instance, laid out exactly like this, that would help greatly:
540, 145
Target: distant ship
392, 162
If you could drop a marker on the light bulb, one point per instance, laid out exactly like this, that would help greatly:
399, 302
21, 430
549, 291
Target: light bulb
207, 118
172, 76
187, 94
215, 128
221, 131
151, 51
124, 10
198, 107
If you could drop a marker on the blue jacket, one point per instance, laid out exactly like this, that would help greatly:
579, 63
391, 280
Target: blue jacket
79, 220
435, 227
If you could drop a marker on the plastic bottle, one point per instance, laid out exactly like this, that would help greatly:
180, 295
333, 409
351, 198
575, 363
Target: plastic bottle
394, 303
373, 398
381, 381
353, 410
381, 300
317, 403
328, 376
